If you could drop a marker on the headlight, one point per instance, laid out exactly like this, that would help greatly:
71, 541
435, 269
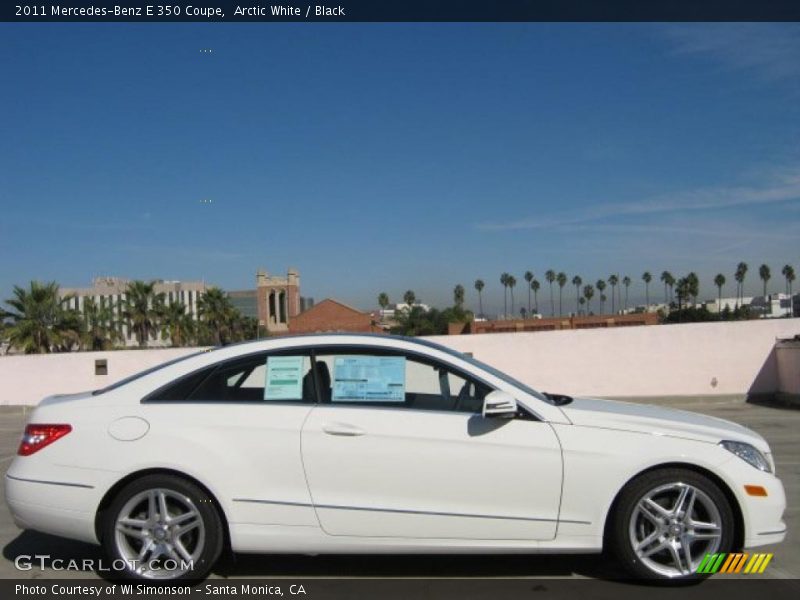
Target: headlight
748, 454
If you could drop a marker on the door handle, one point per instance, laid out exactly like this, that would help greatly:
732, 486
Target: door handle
342, 429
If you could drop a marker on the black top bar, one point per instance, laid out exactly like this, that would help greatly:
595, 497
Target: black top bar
153, 11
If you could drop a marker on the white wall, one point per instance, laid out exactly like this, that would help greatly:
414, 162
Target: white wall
663, 360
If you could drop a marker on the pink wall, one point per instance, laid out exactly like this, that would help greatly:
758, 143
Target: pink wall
664, 360
28, 379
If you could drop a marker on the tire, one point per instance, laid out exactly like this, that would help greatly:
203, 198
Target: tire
139, 543
651, 528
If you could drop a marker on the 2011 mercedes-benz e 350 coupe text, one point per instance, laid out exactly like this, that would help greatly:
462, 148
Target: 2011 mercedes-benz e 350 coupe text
364, 444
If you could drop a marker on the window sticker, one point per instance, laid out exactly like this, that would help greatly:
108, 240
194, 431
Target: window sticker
284, 378
369, 379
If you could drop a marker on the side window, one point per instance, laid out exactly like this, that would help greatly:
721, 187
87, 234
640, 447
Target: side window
398, 381
259, 378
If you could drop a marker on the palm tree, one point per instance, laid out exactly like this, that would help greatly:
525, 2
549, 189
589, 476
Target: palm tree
765, 274
550, 276
383, 300
479, 285
741, 273
647, 278
561, 279
668, 280
693, 286
535, 285
683, 291
410, 298
601, 286
177, 325
528, 279
504, 280
613, 280
788, 274
141, 309
40, 323
719, 281
458, 295
216, 313
588, 293
581, 302
100, 327
512, 281
626, 281
577, 281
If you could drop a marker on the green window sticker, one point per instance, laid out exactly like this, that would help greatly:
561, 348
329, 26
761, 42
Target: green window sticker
284, 378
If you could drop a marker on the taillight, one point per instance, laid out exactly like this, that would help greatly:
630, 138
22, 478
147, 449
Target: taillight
37, 436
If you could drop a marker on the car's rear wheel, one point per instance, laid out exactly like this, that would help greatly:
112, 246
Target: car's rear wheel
162, 527
666, 521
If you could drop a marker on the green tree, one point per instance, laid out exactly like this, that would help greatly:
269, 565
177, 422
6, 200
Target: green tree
550, 277
177, 325
383, 300
601, 286
588, 293
577, 281
788, 275
561, 279
613, 281
512, 281
100, 328
535, 286
410, 298
668, 280
528, 279
504, 281
626, 281
693, 286
458, 295
141, 310
40, 321
719, 281
216, 315
764, 274
479, 285
739, 276
647, 278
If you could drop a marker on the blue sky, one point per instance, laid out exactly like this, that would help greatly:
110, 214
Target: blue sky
384, 157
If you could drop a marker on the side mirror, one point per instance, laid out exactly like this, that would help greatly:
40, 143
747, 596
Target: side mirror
499, 405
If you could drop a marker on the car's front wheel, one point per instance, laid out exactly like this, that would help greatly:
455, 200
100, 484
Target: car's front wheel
666, 521
162, 527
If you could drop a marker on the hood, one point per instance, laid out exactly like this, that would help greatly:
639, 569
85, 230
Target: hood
657, 420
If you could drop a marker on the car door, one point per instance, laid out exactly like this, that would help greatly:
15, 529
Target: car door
237, 424
398, 448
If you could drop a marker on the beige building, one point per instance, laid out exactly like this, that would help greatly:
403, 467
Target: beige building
111, 291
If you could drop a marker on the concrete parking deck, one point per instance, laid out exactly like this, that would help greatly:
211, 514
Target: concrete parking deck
779, 426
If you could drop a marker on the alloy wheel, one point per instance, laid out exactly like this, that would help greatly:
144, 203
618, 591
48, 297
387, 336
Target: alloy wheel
672, 528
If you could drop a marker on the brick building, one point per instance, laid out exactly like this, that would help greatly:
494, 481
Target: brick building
332, 315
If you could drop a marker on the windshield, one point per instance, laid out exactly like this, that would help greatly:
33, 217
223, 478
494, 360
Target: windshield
136, 376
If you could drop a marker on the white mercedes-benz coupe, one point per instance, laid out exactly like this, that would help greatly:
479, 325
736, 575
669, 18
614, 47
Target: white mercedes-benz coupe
347, 443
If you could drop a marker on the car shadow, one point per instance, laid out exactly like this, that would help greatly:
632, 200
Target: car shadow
55, 553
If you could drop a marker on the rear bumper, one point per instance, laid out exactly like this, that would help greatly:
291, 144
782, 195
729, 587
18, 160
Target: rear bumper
57, 508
